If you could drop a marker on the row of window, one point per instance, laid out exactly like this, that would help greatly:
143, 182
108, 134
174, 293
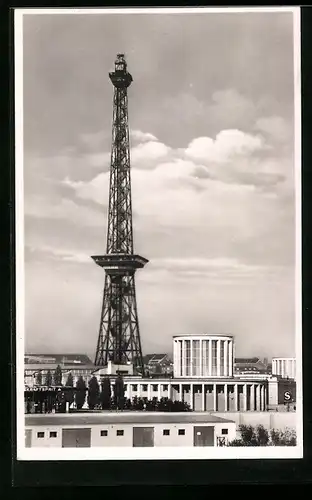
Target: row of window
145, 387
120, 432
52, 434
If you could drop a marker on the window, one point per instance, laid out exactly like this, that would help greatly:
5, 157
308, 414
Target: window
155, 387
40, 434
104, 433
125, 387
134, 387
165, 387
222, 357
224, 431
119, 433
166, 432
214, 357
205, 357
144, 387
181, 432
187, 357
53, 434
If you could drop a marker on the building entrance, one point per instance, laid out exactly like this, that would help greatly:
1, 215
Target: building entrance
76, 438
143, 436
203, 436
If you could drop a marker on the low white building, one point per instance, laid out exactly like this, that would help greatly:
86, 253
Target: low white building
134, 429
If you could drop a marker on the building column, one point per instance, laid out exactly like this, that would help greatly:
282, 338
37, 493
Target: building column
159, 392
169, 391
203, 398
230, 351
252, 397
245, 397
225, 397
214, 397
139, 391
191, 396
183, 359
262, 392
200, 357
218, 358
210, 357
236, 397
148, 390
180, 392
226, 364
258, 397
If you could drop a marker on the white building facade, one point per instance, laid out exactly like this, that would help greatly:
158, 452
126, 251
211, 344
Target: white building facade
284, 367
143, 429
203, 356
202, 394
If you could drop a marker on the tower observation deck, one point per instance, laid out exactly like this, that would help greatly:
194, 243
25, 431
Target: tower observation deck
119, 337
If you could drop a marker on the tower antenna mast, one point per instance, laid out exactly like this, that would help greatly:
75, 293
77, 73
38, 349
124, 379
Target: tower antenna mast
119, 336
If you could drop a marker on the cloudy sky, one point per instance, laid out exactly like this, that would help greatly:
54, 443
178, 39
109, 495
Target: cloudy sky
211, 118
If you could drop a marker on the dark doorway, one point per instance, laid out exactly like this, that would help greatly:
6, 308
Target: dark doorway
143, 436
203, 436
76, 438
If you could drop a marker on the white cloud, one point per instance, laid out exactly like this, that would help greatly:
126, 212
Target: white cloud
93, 140
40, 207
99, 160
275, 127
227, 145
61, 253
149, 151
96, 190
137, 135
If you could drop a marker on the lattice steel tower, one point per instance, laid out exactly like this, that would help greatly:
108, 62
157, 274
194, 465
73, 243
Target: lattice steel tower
119, 336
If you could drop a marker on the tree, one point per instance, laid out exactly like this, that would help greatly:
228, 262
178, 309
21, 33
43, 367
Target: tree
69, 394
48, 378
57, 376
80, 395
286, 438
106, 394
39, 378
93, 393
119, 392
259, 436
70, 380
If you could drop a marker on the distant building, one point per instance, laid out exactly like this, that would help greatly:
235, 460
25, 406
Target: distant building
36, 366
158, 364
281, 394
251, 367
58, 359
284, 367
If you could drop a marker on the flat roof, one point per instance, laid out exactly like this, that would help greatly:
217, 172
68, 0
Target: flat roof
203, 335
109, 417
52, 366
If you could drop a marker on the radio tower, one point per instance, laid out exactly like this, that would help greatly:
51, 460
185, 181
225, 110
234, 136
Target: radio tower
119, 336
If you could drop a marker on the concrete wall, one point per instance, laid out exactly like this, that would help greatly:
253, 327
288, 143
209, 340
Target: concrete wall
269, 420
